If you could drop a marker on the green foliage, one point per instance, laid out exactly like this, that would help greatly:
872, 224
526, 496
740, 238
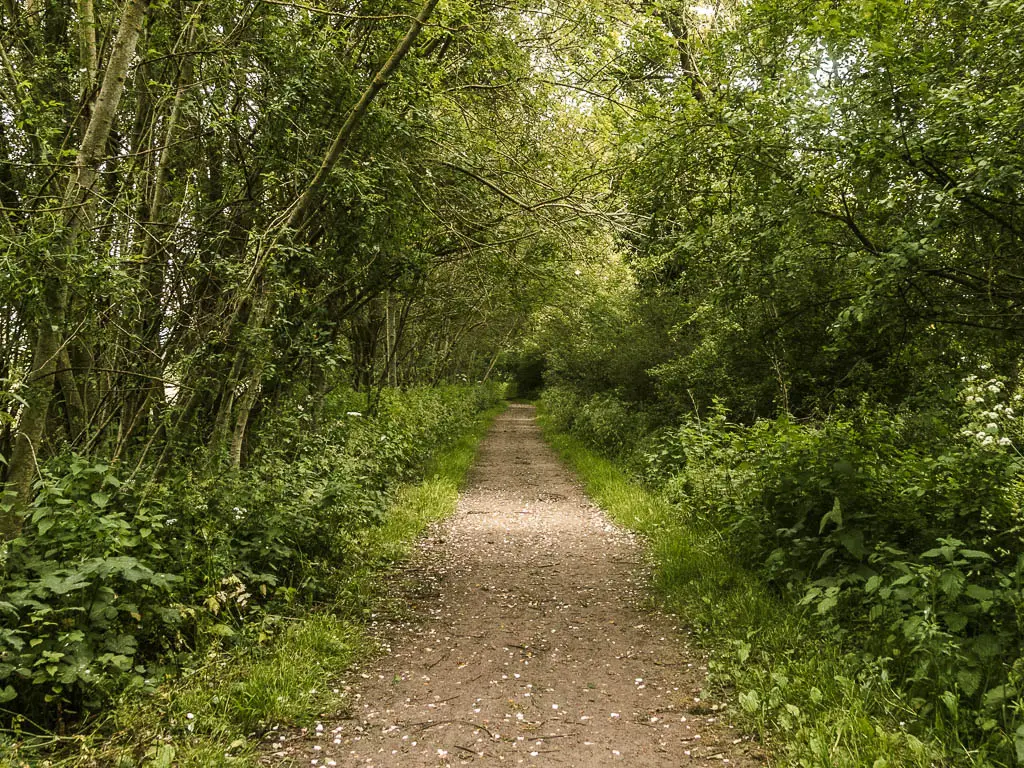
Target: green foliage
271, 677
781, 671
85, 589
110, 584
902, 534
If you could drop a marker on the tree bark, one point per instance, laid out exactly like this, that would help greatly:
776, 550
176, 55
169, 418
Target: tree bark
88, 50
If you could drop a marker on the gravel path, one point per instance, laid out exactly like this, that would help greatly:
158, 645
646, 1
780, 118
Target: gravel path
535, 642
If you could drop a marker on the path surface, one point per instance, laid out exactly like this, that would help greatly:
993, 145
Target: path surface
534, 645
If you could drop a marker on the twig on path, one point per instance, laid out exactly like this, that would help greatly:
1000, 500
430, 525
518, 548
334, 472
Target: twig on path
433, 664
431, 724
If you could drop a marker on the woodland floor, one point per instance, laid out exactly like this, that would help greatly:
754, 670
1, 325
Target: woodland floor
533, 641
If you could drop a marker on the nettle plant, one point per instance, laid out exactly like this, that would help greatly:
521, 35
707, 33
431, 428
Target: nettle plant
82, 592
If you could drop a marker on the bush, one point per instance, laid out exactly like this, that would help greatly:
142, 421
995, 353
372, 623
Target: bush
905, 537
111, 584
603, 420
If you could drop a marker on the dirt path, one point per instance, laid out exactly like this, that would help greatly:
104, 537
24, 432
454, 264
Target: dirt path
534, 646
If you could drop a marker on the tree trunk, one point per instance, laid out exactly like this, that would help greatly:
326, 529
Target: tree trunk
245, 405
308, 201
49, 333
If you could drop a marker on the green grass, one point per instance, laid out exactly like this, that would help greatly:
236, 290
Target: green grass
783, 676
206, 718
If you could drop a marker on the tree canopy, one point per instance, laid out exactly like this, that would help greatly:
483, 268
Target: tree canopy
225, 221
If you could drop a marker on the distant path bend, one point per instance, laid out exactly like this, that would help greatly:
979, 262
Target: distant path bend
535, 646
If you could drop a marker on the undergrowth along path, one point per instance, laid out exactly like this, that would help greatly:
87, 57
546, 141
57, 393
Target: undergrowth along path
534, 643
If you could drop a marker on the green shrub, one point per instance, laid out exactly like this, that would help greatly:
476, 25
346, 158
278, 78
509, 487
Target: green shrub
903, 532
111, 584
603, 420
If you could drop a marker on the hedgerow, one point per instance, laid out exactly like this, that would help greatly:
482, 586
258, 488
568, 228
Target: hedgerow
901, 536
114, 584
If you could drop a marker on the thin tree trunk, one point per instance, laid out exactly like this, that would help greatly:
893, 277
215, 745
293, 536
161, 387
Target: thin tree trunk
309, 200
49, 334
72, 397
88, 50
247, 401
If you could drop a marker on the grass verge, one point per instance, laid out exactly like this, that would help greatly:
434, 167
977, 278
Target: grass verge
283, 673
785, 678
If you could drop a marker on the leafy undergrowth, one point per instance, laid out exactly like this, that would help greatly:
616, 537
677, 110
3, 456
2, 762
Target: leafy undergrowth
282, 672
808, 700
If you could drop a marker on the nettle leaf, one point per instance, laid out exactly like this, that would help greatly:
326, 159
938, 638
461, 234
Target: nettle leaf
975, 554
955, 621
852, 540
979, 592
986, 646
835, 515
969, 681
951, 583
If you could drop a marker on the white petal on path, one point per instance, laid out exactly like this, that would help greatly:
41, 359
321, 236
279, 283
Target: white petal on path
533, 620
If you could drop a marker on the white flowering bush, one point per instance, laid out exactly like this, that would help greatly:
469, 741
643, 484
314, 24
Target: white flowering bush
991, 415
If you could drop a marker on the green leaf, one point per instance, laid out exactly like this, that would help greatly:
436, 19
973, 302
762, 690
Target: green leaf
222, 630
969, 681
750, 701
7, 693
951, 583
826, 605
996, 697
743, 652
852, 540
955, 620
160, 756
835, 515
975, 554
100, 499
978, 592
